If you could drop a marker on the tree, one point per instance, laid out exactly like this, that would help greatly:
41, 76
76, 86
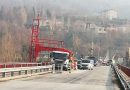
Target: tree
127, 58
48, 13
8, 48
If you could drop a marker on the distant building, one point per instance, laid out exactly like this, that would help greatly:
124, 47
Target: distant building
121, 28
98, 29
124, 29
112, 29
101, 30
109, 14
57, 24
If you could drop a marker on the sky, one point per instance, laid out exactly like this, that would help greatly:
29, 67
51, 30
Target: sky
95, 6
91, 6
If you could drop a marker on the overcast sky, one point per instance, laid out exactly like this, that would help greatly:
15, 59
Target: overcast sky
122, 6
93, 6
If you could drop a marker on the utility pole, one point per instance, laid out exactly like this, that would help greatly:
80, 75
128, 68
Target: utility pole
92, 43
99, 49
92, 47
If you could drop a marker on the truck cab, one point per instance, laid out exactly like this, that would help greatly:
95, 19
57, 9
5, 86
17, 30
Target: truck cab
60, 59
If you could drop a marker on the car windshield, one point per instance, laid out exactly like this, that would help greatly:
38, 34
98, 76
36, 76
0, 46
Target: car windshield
93, 58
85, 61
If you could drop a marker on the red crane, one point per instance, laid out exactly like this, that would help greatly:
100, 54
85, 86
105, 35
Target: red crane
40, 44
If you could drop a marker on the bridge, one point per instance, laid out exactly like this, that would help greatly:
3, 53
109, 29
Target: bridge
99, 78
42, 78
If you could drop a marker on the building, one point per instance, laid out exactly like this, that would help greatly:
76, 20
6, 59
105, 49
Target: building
98, 29
109, 14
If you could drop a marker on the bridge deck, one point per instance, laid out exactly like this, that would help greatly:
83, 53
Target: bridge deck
97, 79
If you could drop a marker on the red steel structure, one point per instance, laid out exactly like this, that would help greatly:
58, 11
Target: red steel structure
38, 44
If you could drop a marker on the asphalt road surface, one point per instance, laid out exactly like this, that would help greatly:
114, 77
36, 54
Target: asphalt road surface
98, 79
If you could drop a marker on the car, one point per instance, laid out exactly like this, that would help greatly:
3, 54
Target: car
109, 62
93, 58
85, 64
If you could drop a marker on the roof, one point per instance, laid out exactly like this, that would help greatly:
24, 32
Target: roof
60, 52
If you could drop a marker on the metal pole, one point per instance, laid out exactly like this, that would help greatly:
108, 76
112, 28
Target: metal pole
19, 72
3, 75
61, 68
53, 68
99, 49
12, 74
26, 72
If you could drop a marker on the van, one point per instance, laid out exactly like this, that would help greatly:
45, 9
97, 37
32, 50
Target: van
93, 58
85, 63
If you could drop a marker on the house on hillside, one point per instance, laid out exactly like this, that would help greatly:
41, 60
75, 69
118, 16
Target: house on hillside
109, 14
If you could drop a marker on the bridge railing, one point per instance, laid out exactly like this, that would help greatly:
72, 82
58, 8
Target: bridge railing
14, 65
13, 73
125, 69
123, 77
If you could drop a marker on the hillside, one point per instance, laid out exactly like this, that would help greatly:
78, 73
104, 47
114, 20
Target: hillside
15, 31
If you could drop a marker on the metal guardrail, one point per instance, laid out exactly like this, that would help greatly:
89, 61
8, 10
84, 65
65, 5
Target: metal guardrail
125, 83
13, 73
14, 65
125, 69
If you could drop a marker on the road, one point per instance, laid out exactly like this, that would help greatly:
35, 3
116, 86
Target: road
97, 79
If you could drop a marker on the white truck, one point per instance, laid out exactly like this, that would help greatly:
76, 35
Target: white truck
60, 59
